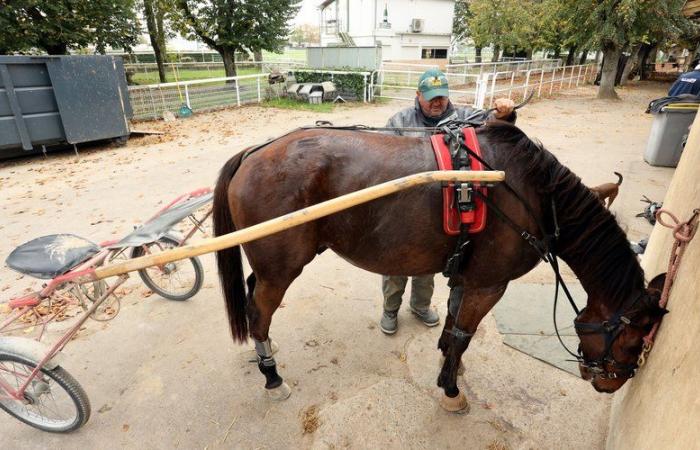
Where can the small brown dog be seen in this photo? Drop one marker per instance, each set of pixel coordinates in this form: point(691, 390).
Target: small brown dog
point(608, 191)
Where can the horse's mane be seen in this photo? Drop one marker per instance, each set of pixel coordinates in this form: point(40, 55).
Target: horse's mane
point(588, 231)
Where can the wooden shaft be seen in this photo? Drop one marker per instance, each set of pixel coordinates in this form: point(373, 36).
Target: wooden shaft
point(295, 218)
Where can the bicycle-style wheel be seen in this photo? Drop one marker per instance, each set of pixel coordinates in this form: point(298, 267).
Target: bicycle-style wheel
point(178, 280)
point(53, 401)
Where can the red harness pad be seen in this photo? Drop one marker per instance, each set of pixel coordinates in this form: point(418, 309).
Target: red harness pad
point(451, 217)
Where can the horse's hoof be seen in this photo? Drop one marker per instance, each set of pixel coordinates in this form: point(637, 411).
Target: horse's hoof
point(456, 404)
point(281, 392)
point(460, 369)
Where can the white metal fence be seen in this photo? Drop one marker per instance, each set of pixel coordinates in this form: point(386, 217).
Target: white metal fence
point(479, 90)
point(151, 101)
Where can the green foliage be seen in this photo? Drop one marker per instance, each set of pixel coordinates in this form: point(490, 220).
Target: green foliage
point(351, 82)
point(460, 23)
point(56, 26)
point(618, 23)
point(234, 25)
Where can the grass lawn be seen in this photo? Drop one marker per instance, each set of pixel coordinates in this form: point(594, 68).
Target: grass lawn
point(186, 74)
point(286, 103)
point(290, 54)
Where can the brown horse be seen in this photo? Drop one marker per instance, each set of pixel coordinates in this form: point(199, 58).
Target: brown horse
point(402, 235)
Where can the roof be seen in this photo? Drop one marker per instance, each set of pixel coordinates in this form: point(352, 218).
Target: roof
point(325, 3)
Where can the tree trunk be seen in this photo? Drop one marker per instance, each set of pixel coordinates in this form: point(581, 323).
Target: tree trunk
point(631, 64)
point(529, 53)
point(149, 11)
point(56, 49)
point(570, 57)
point(227, 54)
point(477, 58)
point(611, 56)
point(597, 56)
point(257, 56)
point(584, 57)
point(557, 53)
point(161, 38)
point(645, 52)
point(496, 53)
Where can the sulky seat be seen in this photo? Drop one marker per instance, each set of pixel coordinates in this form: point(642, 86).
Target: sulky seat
point(50, 256)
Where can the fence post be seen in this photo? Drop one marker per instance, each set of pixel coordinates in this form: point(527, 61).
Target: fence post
point(510, 89)
point(493, 89)
point(539, 88)
point(527, 84)
point(364, 89)
point(238, 93)
point(571, 77)
point(551, 84)
point(259, 96)
point(561, 80)
point(578, 77)
point(187, 96)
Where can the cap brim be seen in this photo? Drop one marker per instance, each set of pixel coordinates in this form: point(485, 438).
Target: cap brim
point(431, 94)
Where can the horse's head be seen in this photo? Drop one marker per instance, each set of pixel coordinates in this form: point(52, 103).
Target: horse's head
point(611, 342)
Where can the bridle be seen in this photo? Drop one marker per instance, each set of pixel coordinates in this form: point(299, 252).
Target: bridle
point(606, 366)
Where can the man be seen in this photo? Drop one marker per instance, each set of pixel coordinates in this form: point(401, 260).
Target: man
point(687, 83)
point(432, 107)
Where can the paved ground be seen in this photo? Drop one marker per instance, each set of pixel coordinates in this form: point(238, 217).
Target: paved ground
point(165, 375)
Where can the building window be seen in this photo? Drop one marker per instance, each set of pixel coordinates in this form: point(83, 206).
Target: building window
point(434, 53)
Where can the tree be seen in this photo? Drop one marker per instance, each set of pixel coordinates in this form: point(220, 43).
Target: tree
point(56, 26)
point(305, 34)
point(613, 25)
point(159, 15)
point(230, 26)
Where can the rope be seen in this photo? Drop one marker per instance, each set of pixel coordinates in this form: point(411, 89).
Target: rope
point(683, 233)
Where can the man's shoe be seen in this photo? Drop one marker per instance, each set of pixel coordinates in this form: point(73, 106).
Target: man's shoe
point(429, 317)
point(389, 323)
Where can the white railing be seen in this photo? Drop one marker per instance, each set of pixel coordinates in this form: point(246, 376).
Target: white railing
point(501, 66)
point(480, 90)
point(518, 84)
point(151, 101)
point(402, 85)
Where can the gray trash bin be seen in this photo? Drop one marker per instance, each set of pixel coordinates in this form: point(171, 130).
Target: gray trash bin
point(668, 133)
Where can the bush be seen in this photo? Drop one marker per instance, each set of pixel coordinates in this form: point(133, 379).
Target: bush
point(346, 84)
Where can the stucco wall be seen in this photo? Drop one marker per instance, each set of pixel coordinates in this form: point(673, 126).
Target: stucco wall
point(660, 407)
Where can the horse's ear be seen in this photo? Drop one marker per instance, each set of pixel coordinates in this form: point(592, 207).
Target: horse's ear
point(657, 283)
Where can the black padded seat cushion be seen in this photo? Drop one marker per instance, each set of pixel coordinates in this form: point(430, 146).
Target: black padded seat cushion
point(50, 256)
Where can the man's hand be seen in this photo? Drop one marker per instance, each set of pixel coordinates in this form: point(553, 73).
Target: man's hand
point(504, 108)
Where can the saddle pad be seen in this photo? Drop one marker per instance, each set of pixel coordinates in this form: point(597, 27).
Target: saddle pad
point(451, 217)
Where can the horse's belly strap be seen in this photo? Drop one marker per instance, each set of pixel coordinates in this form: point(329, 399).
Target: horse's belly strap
point(451, 216)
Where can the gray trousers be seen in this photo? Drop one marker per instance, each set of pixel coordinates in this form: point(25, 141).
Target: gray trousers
point(393, 288)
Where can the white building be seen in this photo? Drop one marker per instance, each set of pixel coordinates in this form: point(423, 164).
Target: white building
point(405, 29)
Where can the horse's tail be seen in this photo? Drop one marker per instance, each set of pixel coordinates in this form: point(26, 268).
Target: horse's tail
point(619, 178)
point(229, 259)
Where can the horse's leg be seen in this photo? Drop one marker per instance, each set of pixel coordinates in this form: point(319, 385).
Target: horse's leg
point(475, 304)
point(266, 299)
point(455, 297)
point(276, 263)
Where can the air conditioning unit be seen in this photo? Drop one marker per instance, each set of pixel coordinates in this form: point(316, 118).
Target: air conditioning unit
point(417, 25)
